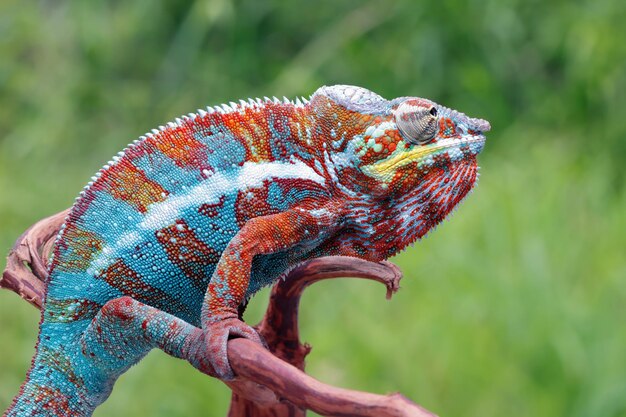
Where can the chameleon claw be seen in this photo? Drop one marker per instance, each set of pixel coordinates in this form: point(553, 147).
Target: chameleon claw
point(217, 334)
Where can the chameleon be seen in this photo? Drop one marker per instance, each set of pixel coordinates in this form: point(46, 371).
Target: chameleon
point(192, 219)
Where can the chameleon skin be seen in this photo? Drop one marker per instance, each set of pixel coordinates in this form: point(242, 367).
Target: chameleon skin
point(189, 221)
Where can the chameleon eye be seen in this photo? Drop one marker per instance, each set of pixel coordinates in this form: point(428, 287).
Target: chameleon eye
point(416, 122)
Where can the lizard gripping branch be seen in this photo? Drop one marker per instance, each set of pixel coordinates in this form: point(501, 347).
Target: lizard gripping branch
point(264, 381)
point(187, 223)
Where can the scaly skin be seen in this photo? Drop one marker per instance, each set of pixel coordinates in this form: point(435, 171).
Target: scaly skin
point(191, 220)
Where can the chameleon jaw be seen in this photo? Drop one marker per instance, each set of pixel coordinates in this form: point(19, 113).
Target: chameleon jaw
point(455, 148)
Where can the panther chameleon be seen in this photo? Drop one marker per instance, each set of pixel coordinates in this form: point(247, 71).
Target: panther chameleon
point(191, 220)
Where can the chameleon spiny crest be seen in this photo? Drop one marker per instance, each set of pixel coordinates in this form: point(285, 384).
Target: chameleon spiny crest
point(193, 218)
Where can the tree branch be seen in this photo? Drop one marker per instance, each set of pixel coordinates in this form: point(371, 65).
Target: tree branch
point(26, 269)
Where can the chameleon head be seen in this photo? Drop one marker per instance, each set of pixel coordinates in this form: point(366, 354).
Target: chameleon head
point(417, 158)
point(397, 143)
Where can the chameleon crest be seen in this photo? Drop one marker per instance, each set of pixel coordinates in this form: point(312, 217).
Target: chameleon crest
point(193, 218)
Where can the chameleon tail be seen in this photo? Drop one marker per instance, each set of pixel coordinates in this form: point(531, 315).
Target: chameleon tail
point(74, 371)
point(53, 385)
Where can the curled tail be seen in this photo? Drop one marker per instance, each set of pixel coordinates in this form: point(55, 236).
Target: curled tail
point(77, 363)
point(55, 385)
point(58, 381)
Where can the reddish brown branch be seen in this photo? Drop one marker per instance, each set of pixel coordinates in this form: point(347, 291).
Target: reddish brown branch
point(269, 383)
point(280, 323)
point(254, 363)
point(25, 272)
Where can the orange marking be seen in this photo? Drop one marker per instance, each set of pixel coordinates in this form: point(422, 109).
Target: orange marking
point(79, 247)
point(126, 182)
point(179, 144)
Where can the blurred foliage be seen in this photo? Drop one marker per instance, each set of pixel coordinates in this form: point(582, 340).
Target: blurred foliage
point(514, 308)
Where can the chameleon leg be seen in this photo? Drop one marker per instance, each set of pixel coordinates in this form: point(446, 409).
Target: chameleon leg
point(125, 330)
point(226, 291)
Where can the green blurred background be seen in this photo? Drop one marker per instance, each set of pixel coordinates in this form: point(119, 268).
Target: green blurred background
point(516, 307)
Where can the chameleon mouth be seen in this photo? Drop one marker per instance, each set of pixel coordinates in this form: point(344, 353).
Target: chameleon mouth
point(456, 149)
point(474, 144)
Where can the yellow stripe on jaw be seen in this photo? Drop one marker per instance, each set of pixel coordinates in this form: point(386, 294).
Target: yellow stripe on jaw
point(382, 170)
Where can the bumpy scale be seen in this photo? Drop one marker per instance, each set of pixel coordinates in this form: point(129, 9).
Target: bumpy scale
point(192, 219)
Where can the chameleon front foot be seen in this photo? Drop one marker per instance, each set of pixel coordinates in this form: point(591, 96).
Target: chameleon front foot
point(216, 336)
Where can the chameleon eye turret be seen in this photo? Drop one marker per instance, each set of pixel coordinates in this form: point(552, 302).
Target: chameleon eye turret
point(417, 121)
